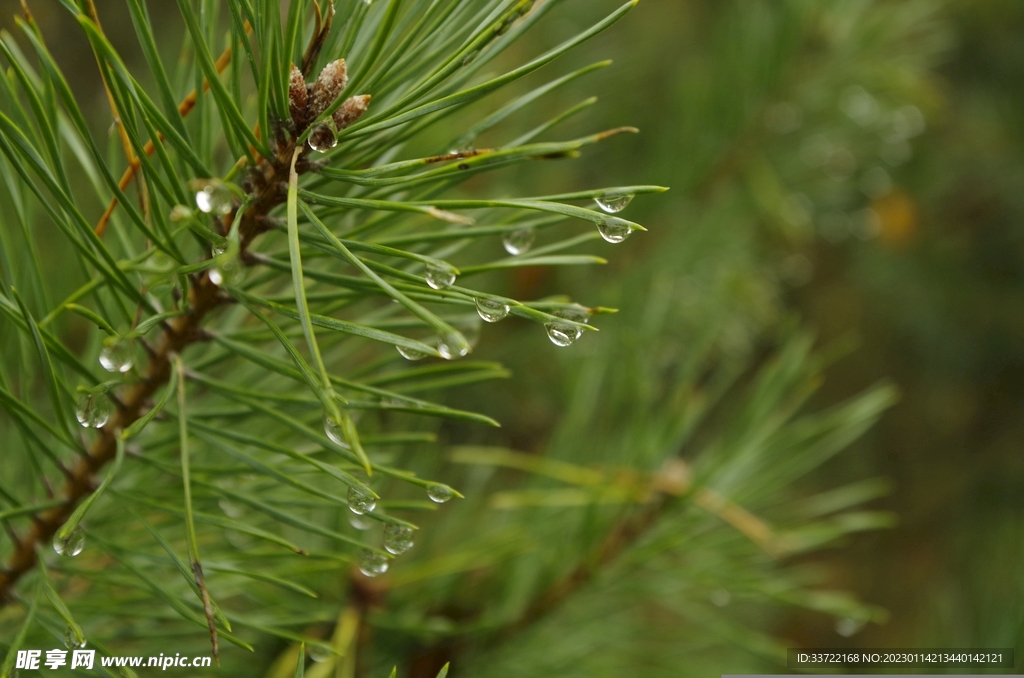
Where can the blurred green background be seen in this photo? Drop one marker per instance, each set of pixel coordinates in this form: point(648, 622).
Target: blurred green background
point(928, 282)
point(912, 247)
point(853, 165)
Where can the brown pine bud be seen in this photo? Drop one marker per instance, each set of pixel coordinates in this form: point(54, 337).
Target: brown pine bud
point(298, 97)
point(351, 111)
point(328, 86)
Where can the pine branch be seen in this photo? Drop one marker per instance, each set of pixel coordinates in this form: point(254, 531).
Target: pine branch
point(178, 334)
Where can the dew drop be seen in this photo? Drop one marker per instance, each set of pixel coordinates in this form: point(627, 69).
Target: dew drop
point(439, 493)
point(452, 346)
point(215, 198)
point(562, 334)
point(71, 640)
point(71, 545)
point(372, 564)
point(116, 355)
point(410, 353)
point(491, 310)
point(322, 138)
point(469, 58)
point(614, 230)
point(318, 653)
point(228, 270)
point(440, 275)
point(360, 502)
point(334, 431)
point(614, 203)
point(397, 539)
point(93, 410)
point(359, 522)
point(518, 241)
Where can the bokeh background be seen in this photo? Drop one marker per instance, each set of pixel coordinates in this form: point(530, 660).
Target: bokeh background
point(854, 166)
point(865, 160)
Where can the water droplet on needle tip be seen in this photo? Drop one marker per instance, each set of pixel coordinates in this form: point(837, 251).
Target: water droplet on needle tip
point(71, 545)
point(372, 564)
point(360, 502)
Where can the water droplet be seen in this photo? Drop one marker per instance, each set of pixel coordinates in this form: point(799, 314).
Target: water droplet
point(410, 353)
point(518, 241)
point(614, 203)
point(117, 355)
point(614, 230)
point(93, 410)
point(360, 502)
point(215, 198)
point(452, 345)
point(228, 270)
point(440, 275)
point(372, 564)
point(397, 538)
point(71, 640)
point(468, 59)
point(333, 430)
point(439, 493)
point(318, 653)
point(71, 545)
point(359, 522)
point(322, 138)
point(562, 334)
point(491, 310)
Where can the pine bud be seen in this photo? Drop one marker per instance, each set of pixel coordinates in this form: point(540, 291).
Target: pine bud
point(351, 111)
point(328, 86)
point(298, 97)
